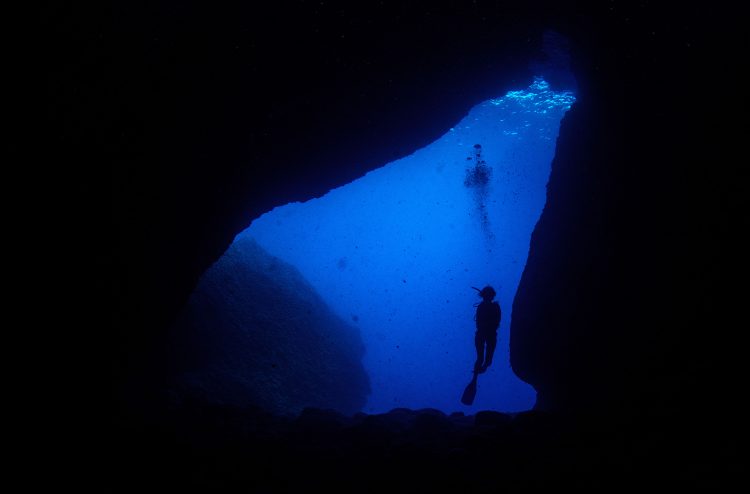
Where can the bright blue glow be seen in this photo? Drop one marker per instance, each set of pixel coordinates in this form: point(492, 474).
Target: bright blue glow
point(397, 251)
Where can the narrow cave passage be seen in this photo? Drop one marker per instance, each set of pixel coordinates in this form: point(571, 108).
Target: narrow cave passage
point(397, 252)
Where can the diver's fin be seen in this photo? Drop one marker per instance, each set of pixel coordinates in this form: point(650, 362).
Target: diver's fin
point(470, 392)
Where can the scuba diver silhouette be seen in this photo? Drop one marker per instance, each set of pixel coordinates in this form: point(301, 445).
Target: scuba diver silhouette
point(487, 320)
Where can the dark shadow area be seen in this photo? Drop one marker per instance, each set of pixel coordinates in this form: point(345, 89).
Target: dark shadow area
point(202, 447)
point(628, 319)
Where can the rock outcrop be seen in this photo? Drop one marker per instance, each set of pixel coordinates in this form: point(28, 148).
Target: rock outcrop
point(255, 333)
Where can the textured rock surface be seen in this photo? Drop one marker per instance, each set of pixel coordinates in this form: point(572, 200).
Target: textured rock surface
point(255, 333)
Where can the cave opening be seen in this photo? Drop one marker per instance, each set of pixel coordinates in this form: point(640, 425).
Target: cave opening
point(394, 257)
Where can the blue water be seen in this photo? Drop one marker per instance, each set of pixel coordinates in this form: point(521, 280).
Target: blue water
point(397, 251)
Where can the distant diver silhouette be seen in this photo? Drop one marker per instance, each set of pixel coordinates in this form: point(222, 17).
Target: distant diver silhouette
point(487, 319)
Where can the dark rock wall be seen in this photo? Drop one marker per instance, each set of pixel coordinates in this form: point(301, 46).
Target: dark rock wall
point(627, 301)
point(212, 115)
point(255, 333)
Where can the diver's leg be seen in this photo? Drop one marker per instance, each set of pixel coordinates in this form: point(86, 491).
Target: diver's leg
point(479, 344)
point(491, 344)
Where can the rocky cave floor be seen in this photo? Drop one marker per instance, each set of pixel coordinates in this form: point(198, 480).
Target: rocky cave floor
point(208, 448)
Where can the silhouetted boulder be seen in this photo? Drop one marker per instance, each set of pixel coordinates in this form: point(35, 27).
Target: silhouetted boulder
point(492, 418)
point(254, 332)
